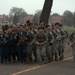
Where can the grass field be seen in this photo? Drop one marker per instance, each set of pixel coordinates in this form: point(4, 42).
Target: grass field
point(70, 29)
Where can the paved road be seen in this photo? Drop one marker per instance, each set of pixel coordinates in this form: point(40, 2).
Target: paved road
point(66, 67)
point(60, 68)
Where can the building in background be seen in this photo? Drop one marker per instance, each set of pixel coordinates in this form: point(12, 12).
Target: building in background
point(3, 19)
point(29, 17)
point(54, 19)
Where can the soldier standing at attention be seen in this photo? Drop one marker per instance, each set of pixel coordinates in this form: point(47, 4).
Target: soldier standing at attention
point(55, 44)
point(63, 39)
point(34, 48)
point(41, 41)
point(15, 41)
point(22, 44)
point(9, 38)
point(28, 55)
point(30, 47)
point(50, 42)
point(59, 40)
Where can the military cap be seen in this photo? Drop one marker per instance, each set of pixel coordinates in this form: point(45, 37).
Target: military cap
point(57, 23)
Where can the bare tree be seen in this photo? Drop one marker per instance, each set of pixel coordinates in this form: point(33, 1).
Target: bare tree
point(46, 11)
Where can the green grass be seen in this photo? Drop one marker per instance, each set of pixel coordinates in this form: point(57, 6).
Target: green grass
point(70, 29)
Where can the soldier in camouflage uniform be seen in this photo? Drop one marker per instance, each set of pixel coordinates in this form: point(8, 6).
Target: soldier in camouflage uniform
point(41, 41)
point(59, 40)
point(34, 48)
point(55, 44)
point(72, 38)
point(63, 39)
point(30, 44)
point(50, 41)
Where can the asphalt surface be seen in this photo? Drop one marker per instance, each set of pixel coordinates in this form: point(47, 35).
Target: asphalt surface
point(61, 68)
point(65, 67)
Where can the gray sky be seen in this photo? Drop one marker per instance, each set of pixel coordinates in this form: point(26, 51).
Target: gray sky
point(30, 6)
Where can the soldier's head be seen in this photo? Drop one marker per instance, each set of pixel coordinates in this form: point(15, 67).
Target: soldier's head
point(26, 28)
point(31, 26)
point(21, 28)
point(60, 26)
point(14, 27)
point(9, 29)
point(1, 32)
point(47, 27)
point(41, 23)
point(57, 25)
point(27, 22)
point(40, 30)
point(36, 26)
point(5, 27)
point(53, 26)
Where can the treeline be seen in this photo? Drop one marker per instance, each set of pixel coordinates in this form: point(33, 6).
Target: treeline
point(68, 18)
point(16, 15)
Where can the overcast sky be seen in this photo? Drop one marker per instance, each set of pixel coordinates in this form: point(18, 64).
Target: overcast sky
point(30, 6)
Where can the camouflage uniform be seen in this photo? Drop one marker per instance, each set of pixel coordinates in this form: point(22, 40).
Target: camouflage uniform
point(72, 38)
point(55, 44)
point(34, 48)
point(59, 42)
point(50, 45)
point(40, 41)
point(30, 45)
point(63, 39)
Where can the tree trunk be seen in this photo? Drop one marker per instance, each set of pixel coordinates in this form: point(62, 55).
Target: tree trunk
point(46, 11)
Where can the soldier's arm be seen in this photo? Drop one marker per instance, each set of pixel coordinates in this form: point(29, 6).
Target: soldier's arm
point(35, 40)
point(45, 40)
point(52, 38)
point(58, 37)
point(32, 35)
point(64, 33)
point(71, 37)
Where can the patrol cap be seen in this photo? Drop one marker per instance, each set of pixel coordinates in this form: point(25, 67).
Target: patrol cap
point(28, 21)
point(57, 23)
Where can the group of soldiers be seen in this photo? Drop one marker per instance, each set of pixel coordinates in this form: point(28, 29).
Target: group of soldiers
point(32, 42)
